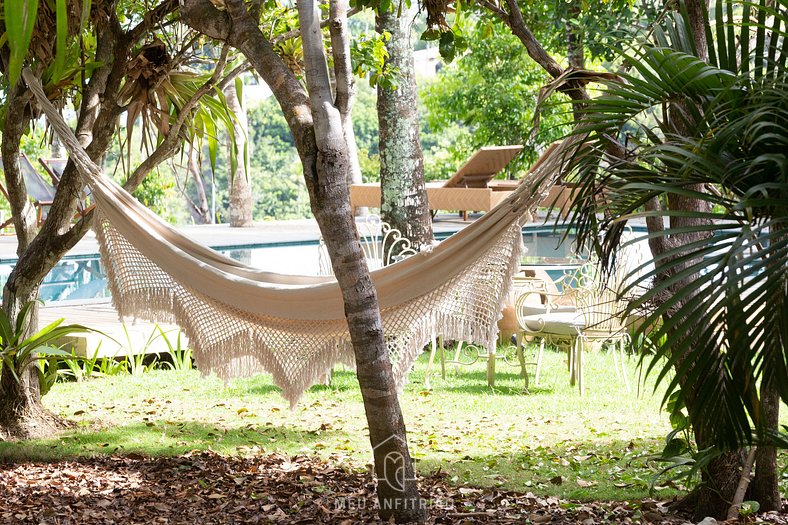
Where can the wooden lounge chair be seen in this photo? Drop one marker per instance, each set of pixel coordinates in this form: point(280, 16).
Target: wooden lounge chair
point(468, 189)
point(40, 191)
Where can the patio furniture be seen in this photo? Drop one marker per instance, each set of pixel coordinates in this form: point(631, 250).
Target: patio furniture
point(468, 189)
point(467, 354)
point(586, 312)
point(40, 191)
point(381, 243)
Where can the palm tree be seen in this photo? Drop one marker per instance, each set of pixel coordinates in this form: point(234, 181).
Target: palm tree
point(696, 147)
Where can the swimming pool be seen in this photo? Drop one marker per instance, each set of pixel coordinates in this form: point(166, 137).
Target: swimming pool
point(81, 278)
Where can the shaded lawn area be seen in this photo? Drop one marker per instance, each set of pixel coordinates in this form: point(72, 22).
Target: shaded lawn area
point(549, 445)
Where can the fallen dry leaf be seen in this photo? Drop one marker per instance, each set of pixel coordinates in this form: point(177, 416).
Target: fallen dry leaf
point(206, 488)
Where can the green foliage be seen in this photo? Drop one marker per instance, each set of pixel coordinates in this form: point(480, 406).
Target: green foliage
point(691, 124)
point(491, 92)
point(749, 508)
point(20, 19)
point(679, 456)
point(180, 358)
point(606, 26)
point(276, 171)
point(18, 350)
point(80, 368)
point(281, 196)
point(369, 54)
point(155, 192)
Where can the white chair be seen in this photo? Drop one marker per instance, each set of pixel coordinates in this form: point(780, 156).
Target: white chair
point(596, 316)
point(381, 243)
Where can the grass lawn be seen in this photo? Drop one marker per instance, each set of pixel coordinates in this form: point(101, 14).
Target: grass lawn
point(550, 441)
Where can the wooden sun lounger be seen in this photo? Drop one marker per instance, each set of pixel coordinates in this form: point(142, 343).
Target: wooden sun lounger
point(438, 196)
point(467, 190)
point(40, 191)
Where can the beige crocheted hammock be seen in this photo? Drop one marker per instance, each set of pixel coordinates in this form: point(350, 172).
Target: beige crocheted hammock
point(242, 321)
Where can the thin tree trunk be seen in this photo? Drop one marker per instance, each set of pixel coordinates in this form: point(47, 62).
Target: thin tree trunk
point(240, 186)
point(397, 492)
point(200, 211)
point(403, 196)
point(765, 487)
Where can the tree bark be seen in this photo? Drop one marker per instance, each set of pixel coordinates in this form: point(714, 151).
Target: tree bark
point(765, 487)
point(720, 478)
point(200, 211)
point(21, 413)
point(315, 118)
point(513, 18)
point(403, 196)
point(240, 185)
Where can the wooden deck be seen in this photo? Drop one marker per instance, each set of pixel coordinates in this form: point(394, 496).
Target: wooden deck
point(113, 340)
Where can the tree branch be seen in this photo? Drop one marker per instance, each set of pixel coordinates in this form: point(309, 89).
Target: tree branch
point(16, 121)
point(494, 9)
point(535, 50)
point(744, 482)
point(317, 79)
point(297, 32)
point(152, 18)
point(340, 46)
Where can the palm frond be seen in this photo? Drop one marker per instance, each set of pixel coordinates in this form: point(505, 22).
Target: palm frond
point(678, 128)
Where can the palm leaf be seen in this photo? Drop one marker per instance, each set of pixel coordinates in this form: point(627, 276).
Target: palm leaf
point(20, 19)
point(727, 129)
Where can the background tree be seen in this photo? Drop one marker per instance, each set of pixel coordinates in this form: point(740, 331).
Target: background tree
point(240, 184)
point(491, 91)
point(403, 196)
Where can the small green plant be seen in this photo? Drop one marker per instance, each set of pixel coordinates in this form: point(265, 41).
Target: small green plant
point(137, 366)
point(109, 366)
point(682, 461)
point(180, 358)
point(81, 368)
point(48, 373)
point(18, 353)
point(135, 362)
point(748, 508)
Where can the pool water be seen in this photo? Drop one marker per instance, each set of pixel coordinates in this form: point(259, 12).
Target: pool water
point(80, 279)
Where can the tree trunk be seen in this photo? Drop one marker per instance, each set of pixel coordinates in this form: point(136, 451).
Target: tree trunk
point(199, 211)
point(240, 186)
point(721, 477)
point(22, 416)
point(403, 196)
point(316, 122)
point(397, 492)
point(21, 413)
point(765, 487)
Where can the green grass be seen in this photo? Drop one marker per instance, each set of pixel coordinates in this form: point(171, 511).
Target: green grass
point(550, 441)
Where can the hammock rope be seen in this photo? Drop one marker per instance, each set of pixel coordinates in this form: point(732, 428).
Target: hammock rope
point(241, 320)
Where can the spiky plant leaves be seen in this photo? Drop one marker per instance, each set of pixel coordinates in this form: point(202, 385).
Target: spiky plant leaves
point(679, 127)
